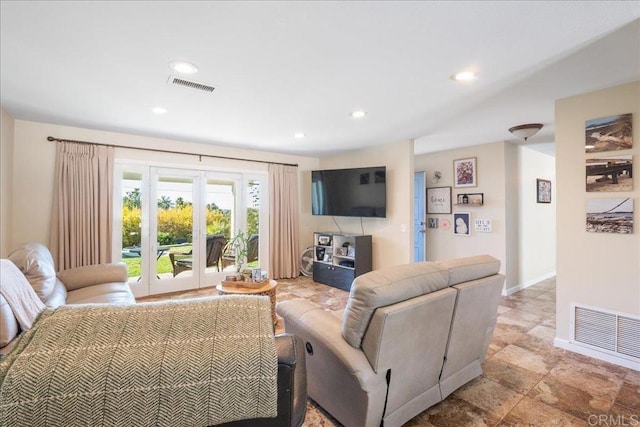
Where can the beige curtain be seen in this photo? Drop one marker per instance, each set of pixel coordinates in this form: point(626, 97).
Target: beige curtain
point(81, 224)
point(283, 222)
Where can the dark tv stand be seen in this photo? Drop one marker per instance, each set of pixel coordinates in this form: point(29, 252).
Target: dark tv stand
point(340, 258)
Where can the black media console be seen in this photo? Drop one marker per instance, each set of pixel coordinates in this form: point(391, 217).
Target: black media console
point(340, 258)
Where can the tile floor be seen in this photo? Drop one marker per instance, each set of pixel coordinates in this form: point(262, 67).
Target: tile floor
point(526, 380)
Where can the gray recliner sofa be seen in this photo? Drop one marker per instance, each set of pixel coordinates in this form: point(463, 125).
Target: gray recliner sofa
point(410, 335)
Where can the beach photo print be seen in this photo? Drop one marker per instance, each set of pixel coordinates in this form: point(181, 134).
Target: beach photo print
point(610, 133)
point(610, 174)
point(610, 215)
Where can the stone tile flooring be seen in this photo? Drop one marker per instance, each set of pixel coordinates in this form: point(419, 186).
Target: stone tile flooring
point(526, 381)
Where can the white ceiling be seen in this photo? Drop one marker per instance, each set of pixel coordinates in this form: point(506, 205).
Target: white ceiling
point(286, 67)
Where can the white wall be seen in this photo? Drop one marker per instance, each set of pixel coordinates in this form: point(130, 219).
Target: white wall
point(536, 240)
point(490, 162)
point(523, 231)
point(512, 218)
point(596, 269)
point(6, 178)
point(34, 161)
point(392, 236)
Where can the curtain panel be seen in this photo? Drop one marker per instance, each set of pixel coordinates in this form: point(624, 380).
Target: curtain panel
point(81, 224)
point(283, 221)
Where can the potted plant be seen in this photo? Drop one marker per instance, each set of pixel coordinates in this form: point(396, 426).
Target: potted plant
point(240, 248)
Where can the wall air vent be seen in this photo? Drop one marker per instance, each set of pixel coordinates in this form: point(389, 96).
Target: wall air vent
point(615, 333)
point(173, 80)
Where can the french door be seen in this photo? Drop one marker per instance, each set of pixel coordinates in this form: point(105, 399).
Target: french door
point(172, 225)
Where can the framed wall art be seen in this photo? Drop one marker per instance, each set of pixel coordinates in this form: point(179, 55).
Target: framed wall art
point(543, 191)
point(439, 200)
point(610, 215)
point(610, 174)
point(461, 224)
point(465, 173)
point(608, 133)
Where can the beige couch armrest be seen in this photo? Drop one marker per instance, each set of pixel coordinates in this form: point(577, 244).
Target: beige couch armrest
point(81, 277)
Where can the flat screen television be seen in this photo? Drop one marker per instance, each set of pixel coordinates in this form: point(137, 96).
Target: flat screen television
point(350, 192)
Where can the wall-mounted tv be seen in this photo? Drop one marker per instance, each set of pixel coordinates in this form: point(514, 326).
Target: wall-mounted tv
point(350, 192)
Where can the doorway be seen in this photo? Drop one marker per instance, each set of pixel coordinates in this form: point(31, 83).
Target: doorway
point(172, 225)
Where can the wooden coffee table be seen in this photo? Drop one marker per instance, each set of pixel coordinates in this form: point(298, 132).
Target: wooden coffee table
point(268, 287)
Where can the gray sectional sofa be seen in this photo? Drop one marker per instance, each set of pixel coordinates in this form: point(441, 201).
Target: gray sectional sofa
point(410, 335)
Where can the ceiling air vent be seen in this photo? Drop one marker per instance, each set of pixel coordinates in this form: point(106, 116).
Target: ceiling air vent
point(173, 80)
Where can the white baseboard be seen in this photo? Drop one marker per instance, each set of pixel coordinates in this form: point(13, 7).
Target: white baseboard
point(567, 345)
point(513, 290)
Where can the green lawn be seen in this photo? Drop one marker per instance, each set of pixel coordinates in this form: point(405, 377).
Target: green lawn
point(163, 266)
point(133, 264)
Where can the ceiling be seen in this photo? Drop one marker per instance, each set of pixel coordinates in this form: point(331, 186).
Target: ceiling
point(284, 67)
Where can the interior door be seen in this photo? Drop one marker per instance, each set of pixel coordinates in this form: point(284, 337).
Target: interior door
point(419, 217)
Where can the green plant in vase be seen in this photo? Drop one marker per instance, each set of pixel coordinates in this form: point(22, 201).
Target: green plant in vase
point(240, 248)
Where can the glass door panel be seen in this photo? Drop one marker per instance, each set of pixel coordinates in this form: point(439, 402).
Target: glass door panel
point(133, 239)
point(220, 202)
point(175, 242)
point(253, 194)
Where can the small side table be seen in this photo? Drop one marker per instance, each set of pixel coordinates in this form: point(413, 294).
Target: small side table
point(250, 288)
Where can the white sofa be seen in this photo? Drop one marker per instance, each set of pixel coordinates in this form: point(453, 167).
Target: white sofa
point(98, 284)
point(410, 335)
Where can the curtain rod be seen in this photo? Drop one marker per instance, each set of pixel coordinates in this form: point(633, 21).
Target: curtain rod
point(157, 150)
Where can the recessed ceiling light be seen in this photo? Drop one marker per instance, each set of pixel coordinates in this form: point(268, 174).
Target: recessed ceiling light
point(159, 110)
point(358, 114)
point(183, 67)
point(464, 76)
point(299, 135)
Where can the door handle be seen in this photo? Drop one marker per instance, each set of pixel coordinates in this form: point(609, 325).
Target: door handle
point(422, 231)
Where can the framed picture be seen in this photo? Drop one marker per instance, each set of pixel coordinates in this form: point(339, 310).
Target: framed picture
point(465, 173)
point(439, 200)
point(324, 240)
point(432, 223)
point(610, 174)
point(482, 225)
point(610, 215)
point(543, 192)
point(609, 133)
point(461, 224)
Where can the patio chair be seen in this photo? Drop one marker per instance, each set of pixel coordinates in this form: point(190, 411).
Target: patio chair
point(183, 262)
point(229, 257)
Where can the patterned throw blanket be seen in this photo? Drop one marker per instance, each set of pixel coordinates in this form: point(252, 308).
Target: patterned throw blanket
point(189, 363)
